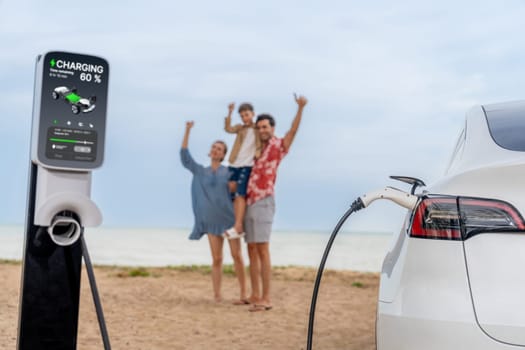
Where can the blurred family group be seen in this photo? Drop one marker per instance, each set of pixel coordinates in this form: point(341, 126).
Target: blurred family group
point(238, 201)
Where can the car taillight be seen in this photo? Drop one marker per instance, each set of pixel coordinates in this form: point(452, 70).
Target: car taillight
point(437, 218)
point(447, 217)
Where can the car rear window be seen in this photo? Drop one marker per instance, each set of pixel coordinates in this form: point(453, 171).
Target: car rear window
point(507, 125)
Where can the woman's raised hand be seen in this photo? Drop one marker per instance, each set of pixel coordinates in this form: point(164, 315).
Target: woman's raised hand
point(189, 125)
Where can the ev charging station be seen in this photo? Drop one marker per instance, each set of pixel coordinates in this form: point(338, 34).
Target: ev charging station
point(67, 143)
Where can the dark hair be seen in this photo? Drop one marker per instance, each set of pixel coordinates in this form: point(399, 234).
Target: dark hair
point(267, 117)
point(225, 147)
point(245, 107)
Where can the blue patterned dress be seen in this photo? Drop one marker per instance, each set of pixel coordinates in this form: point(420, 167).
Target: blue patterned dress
point(210, 197)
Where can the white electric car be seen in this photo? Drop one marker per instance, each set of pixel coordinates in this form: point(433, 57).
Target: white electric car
point(78, 103)
point(454, 277)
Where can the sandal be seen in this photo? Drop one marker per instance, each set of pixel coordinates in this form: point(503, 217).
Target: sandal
point(231, 233)
point(260, 307)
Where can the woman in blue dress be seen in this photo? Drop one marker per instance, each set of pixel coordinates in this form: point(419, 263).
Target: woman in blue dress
point(213, 211)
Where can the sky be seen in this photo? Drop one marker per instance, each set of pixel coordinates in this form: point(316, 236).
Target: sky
point(388, 86)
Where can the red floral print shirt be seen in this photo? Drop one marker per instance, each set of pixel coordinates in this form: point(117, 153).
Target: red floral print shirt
point(264, 172)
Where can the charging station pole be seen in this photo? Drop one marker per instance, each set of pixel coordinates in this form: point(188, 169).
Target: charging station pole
point(67, 142)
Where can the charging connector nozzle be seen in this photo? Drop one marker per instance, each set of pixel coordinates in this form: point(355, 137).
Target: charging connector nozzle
point(402, 198)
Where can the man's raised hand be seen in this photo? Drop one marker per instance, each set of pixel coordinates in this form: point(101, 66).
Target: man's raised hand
point(301, 100)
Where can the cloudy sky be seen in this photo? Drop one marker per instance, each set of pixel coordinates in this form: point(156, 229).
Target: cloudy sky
point(388, 85)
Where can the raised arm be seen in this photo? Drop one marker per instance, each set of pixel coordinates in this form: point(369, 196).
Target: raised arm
point(228, 121)
point(290, 135)
point(186, 138)
point(187, 160)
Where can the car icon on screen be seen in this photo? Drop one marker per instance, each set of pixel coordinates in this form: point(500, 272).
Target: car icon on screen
point(77, 102)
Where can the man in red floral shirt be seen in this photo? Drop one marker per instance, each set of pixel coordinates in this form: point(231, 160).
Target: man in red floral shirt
point(261, 204)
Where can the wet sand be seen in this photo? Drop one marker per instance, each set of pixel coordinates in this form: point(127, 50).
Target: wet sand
point(172, 308)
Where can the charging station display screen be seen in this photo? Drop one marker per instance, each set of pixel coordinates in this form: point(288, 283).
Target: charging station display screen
point(72, 115)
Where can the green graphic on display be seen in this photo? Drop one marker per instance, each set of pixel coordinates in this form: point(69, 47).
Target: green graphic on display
point(63, 140)
point(73, 98)
point(52, 63)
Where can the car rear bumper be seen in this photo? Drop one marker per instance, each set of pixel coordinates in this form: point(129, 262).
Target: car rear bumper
point(396, 331)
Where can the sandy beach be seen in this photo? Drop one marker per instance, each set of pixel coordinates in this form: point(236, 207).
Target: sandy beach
point(172, 308)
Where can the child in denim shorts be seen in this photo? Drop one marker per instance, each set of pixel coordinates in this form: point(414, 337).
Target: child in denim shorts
point(246, 148)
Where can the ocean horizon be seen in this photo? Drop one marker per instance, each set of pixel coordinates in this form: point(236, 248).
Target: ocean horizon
point(149, 247)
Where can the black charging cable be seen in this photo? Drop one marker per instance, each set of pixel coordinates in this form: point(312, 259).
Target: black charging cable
point(356, 205)
point(94, 292)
